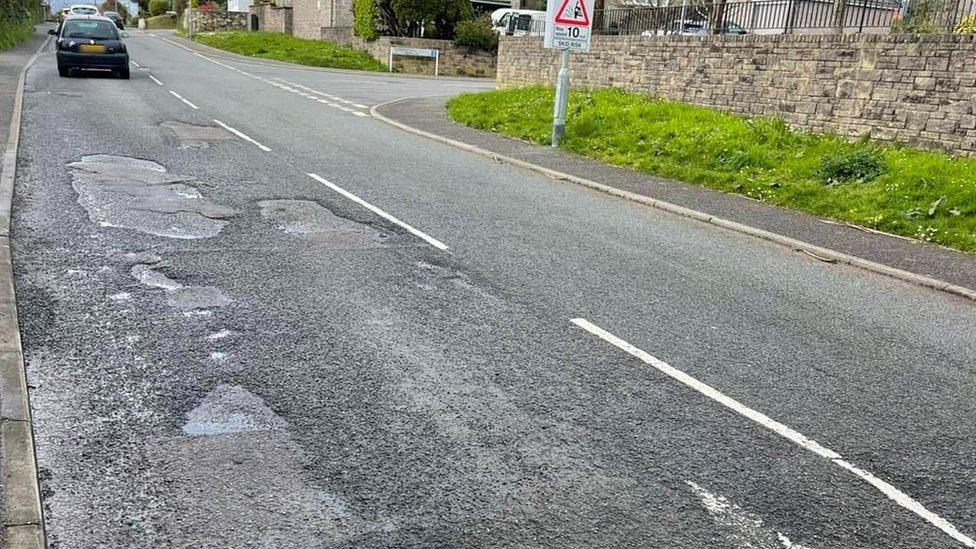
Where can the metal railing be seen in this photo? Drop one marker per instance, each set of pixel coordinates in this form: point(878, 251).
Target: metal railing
point(704, 17)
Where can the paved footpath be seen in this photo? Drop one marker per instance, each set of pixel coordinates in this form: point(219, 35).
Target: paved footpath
point(19, 498)
point(429, 114)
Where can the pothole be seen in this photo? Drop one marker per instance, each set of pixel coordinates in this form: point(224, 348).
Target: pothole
point(196, 297)
point(179, 296)
point(191, 136)
point(312, 221)
point(132, 193)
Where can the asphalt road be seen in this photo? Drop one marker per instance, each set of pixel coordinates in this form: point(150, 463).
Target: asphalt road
point(224, 351)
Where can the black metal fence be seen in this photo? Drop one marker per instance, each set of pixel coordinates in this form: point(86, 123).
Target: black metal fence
point(704, 17)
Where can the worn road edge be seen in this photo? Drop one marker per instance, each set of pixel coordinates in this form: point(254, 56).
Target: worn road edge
point(817, 252)
point(24, 519)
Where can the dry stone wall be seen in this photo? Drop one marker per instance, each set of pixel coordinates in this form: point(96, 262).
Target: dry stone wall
point(919, 90)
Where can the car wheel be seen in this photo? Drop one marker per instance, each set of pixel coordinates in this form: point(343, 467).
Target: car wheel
point(124, 73)
point(64, 71)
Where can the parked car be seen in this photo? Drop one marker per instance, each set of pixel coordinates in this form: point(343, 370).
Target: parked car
point(694, 27)
point(91, 42)
point(114, 16)
point(83, 9)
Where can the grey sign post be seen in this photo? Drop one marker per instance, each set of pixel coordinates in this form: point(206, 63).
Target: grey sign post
point(568, 26)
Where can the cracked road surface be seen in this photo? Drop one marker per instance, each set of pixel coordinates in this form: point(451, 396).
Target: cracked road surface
point(225, 351)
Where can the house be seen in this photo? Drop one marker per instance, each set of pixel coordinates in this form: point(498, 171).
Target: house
point(309, 17)
point(238, 5)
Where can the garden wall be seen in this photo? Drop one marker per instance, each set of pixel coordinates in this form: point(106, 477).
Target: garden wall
point(217, 21)
point(454, 60)
point(913, 89)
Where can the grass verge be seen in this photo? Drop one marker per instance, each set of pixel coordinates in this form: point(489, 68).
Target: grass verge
point(282, 47)
point(14, 32)
point(924, 195)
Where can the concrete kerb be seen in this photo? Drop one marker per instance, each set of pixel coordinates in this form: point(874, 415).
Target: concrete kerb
point(23, 520)
point(817, 252)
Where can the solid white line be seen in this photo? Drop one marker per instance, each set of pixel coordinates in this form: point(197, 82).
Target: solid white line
point(154, 79)
point(242, 135)
point(416, 232)
point(357, 113)
point(361, 106)
point(888, 490)
point(183, 99)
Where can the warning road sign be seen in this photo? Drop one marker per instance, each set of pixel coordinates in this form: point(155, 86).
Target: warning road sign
point(568, 25)
point(573, 13)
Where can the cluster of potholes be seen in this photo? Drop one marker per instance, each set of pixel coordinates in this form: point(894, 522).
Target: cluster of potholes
point(143, 196)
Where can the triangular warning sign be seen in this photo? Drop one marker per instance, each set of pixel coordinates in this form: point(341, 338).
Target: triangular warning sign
point(573, 13)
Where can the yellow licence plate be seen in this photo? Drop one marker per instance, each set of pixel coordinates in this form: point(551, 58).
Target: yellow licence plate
point(91, 48)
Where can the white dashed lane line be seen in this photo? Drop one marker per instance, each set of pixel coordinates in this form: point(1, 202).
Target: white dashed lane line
point(285, 85)
point(241, 134)
point(154, 79)
point(893, 493)
point(183, 99)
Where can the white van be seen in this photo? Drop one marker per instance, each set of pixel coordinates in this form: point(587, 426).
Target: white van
point(500, 19)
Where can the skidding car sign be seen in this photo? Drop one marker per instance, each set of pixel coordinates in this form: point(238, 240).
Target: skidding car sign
point(568, 25)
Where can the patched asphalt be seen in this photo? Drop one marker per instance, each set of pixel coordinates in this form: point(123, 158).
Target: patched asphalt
point(334, 381)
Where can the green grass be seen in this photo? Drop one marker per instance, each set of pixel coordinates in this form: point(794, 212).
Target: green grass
point(282, 47)
point(161, 22)
point(14, 32)
point(929, 196)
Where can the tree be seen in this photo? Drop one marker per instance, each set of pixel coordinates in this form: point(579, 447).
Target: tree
point(437, 18)
point(158, 7)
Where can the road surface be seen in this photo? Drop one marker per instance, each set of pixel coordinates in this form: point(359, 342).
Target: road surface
point(254, 316)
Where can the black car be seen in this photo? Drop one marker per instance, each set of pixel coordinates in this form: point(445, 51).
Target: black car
point(114, 16)
point(91, 42)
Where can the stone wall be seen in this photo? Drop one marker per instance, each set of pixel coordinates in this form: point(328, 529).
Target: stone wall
point(273, 18)
point(454, 61)
point(308, 18)
point(311, 16)
point(217, 21)
point(919, 90)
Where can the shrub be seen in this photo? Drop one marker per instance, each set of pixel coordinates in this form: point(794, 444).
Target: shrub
point(967, 25)
point(437, 17)
point(364, 19)
point(209, 7)
point(477, 34)
point(158, 7)
point(859, 164)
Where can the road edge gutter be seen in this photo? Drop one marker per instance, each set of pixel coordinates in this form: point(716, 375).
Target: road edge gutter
point(23, 514)
point(817, 252)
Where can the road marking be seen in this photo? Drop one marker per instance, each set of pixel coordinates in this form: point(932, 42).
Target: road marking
point(154, 79)
point(896, 495)
point(134, 63)
point(183, 99)
point(242, 135)
point(414, 231)
point(285, 87)
point(745, 529)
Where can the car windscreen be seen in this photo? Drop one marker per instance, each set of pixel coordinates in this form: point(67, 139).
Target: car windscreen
point(95, 30)
point(84, 11)
point(110, 14)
